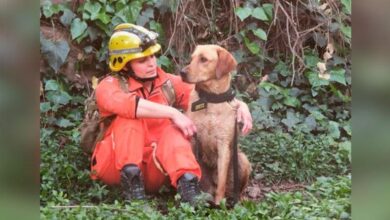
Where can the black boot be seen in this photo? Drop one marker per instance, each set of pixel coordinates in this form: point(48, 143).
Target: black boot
point(132, 183)
point(188, 188)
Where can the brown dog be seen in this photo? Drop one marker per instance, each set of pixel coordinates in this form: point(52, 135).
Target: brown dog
point(214, 115)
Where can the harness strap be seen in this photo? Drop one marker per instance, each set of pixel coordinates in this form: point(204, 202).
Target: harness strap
point(235, 165)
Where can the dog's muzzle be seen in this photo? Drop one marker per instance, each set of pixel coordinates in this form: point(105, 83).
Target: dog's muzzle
point(183, 75)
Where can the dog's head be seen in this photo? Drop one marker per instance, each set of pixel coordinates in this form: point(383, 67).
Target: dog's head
point(208, 62)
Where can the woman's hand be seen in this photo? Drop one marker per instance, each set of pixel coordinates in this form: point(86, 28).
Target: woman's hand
point(184, 123)
point(148, 109)
point(244, 116)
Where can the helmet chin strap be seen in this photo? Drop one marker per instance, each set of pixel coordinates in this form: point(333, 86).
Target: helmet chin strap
point(131, 73)
point(139, 79)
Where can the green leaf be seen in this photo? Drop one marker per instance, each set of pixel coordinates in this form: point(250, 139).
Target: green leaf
point(253, 47)
point(311, 60)
point(49, 9)
point(67, 17)
point(291, 101)
point(268, 8)
point(338, 75)
point(282, 68)
point(163, 61)
point(243, 13)
point(346, 30)
point(45, 133)
point(315, 80)
point(276, 106)
point(333, 129)
point(145, 17)
point(46, 8)
point(93, 8)
point(134, 10)
point(86, 15)
point(58, 97)
point(317, 115)
point(64, 123)
point(310, 122)
point(347, 6)
point(259, 13)
point(274, 166)
point(291, 120)
point(44, 107)
point(75, 114)
point(157, 27)
point(54, 52)
point(109, 8)
point(119, 17)
point(119, 5)
point(267, 86)
point(51, 85)
point(347, 147)
point(78, 28)
point(347, 128)
point(80, 38)
point(260, 33)
point(103, 17)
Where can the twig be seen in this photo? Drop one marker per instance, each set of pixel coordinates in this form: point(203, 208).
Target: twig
point(190, 31)
point(235, 21)
point(205, 10)
point(304, 32)
point(226, 39)
point(90, 207)
point(292, 50)
point(73, 206)
point(174, 31)
point(297, 39)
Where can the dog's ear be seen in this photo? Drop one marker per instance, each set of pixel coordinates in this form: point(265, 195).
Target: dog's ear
point(226, 62)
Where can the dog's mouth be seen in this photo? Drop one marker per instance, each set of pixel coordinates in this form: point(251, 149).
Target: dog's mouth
point(184, 77)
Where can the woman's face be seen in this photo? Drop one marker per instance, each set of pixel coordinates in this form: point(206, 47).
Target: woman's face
point(144, 67)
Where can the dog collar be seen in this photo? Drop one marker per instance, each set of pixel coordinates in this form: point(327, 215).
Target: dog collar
point(206, 97)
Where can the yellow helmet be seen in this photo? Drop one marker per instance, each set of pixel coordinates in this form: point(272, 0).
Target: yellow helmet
point(130, 42)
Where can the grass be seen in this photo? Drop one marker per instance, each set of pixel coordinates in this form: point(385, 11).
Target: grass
point(326, 198)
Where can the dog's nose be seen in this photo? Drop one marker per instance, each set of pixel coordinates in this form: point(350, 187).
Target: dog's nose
point(183, 74)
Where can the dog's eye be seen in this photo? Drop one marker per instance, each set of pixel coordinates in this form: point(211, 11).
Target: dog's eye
point(203, 59)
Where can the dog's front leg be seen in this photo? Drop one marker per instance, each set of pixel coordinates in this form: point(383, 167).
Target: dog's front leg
point(223, 166)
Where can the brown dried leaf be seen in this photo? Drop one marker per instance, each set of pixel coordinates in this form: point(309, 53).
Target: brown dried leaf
point(328, 11)
point(327, 56)
point(41, 89)
point(254, 192)
point(323, 6)
point(94, 82)
point(330, 48)
point(80, 56)
point(321, 67)
point(324, 76)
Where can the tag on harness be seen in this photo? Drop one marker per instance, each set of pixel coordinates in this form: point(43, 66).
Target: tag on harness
point(199, 105)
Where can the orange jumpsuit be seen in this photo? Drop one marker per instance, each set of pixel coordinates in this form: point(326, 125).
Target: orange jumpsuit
point(156, 146)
